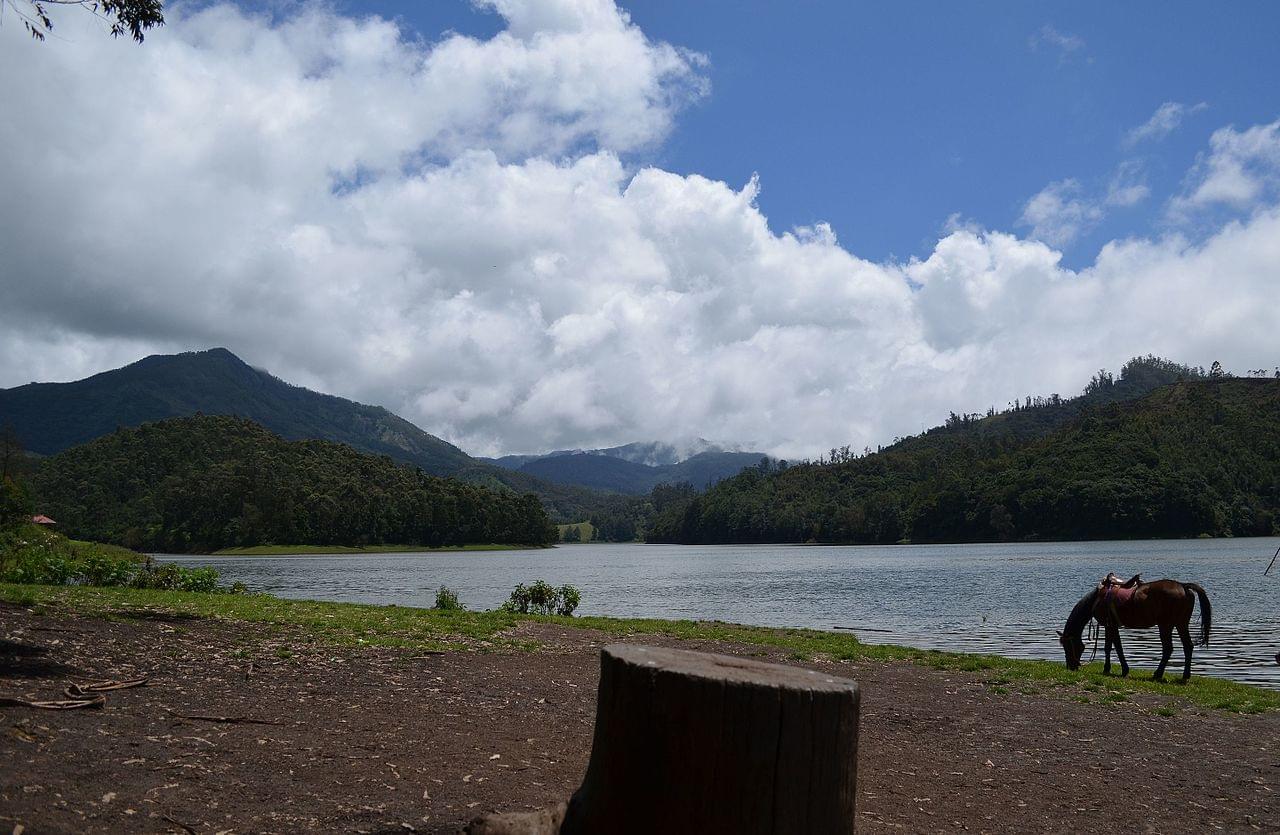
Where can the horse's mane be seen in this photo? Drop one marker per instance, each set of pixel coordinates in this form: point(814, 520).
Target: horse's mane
point(1080, 614)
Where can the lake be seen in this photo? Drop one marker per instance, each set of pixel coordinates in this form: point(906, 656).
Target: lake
point(999, 598)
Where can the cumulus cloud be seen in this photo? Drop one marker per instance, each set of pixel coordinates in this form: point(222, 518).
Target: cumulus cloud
point(1167, 118)
point(459, 231)
point(1240, 170)
point(1059, 213)
point(1063, 210)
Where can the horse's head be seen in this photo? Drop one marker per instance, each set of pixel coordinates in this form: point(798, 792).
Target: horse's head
point(1073, 646)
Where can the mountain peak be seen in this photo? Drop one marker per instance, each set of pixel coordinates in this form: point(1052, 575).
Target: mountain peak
point(50, 418)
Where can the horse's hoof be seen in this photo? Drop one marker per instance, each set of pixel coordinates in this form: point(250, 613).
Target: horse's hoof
point(1124, 674)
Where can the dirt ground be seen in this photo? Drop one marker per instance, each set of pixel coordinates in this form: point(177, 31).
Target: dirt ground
point(373, 740)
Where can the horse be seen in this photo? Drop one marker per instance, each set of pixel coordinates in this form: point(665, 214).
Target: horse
point(1166, 604)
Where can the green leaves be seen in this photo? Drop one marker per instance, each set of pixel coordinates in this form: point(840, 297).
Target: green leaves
point(134, 17)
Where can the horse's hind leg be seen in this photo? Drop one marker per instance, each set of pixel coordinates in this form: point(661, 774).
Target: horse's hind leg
point(1166, 649)
point(1106, 652)
point(1185, 634)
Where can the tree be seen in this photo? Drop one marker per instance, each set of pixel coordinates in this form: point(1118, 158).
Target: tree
point(15, 502)
point(10, 451)
point(133, 16)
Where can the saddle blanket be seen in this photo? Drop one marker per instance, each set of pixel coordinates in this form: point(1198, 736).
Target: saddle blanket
point(1117, 595)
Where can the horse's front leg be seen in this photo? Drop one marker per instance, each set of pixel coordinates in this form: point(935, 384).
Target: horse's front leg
point(1124, 665)
point(1106, 652)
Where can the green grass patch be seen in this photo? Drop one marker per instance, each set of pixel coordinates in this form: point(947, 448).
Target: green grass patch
point(399, 626)
point(286, 550)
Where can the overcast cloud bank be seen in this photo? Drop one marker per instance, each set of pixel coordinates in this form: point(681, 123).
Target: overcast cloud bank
point(458, 231)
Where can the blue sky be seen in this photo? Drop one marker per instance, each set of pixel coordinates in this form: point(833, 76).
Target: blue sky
point(886, 119)
point(532, 224)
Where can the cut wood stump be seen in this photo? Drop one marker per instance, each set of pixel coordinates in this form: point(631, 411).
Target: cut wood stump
point(694, 742)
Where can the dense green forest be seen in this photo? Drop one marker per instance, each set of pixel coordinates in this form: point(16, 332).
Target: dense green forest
point(205, 482)
point(1193, 454)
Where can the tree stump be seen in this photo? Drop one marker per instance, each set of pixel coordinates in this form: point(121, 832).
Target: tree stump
point(694, 742)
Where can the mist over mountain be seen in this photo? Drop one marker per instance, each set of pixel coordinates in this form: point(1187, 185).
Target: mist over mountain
point(636, 468)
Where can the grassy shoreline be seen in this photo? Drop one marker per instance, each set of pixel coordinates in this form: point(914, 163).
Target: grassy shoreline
point(301, 550)
point(353, 624)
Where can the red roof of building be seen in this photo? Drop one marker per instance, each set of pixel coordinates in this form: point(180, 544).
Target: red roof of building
point(43, 520)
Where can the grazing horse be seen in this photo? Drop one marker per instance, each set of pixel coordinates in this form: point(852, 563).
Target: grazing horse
point(1166, 604)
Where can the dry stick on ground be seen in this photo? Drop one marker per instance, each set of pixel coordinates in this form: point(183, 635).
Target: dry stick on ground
point(177, 822)
point(229, 720)
point(86, 691)
point(67, 704)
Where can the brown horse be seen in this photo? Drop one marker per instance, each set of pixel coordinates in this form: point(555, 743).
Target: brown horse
point(1166, 604)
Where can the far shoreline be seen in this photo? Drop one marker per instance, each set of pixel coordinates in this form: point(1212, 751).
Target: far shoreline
point(355, 550)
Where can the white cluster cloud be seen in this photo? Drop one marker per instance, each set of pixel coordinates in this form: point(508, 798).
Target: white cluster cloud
point(454, 230)
point(1063, 210)
point(1167, 118)
point(1058, 213)
point(1241, 170)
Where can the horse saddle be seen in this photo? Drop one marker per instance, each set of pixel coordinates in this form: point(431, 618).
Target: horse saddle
point(1118, 595)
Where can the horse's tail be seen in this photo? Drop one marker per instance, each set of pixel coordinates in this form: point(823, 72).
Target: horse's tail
point(1206, 611)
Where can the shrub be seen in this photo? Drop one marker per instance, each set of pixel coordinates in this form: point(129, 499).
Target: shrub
point(569, 597)
point(36, 568)
point(447, 600)
point(198, 579)
point(542, 598)
point(101, 570)
point(519, 601)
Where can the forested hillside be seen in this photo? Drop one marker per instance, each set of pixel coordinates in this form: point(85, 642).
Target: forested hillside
point(208, 482)
point(1198, 456)
point(51, 417)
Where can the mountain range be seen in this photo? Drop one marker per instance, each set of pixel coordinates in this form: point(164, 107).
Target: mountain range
point(51, 417)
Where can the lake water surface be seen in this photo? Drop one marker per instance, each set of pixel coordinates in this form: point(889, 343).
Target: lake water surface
point(1000, 598)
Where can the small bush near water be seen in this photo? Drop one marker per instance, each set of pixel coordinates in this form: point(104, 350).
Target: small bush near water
point(543, 599)
point(447, 600)
point(33, 556)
